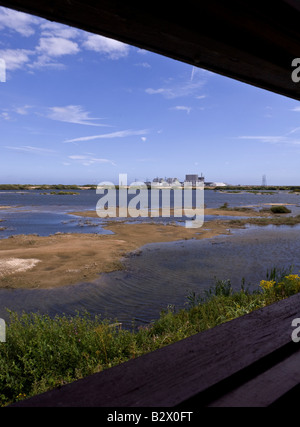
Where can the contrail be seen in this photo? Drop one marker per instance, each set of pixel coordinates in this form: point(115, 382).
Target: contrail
point(193, 72)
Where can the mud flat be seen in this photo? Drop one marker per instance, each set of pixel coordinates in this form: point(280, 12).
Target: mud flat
point(30, 261)
point(208, 211)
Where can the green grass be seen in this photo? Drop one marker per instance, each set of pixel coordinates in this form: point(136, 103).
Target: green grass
point(41, 353)
point(64, 193)
point(289, 220)
point(13, 187)
point(226, 207)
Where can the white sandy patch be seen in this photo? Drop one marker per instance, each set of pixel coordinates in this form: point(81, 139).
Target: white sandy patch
point(279, 204)
point(16, 265)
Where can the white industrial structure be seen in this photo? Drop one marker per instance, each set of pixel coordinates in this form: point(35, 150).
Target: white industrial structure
point(193, 179)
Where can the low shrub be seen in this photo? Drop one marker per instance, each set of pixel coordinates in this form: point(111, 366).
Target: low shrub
point(279, 209)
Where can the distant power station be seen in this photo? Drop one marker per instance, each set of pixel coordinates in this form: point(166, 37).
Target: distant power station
point(192, 179)
point(195, 179)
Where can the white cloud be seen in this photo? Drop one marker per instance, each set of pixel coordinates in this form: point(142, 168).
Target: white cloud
point(57, 46)
point(271, 139)
point(143, 65)
point(30, 149)
point(15, 58)
point(55, 41)
point(51, 48)
point(45, 61)
point(23, 111)
point(268, 112)
point(5, 116)
point(112, 48)
point(143, 138)
point(182, 108)
point(142, 51)
point(48, 48)
point(179, 88)
point(119, 134)
point(161, 90)
point(50, 29)
point(76, 157)
point(18, 21)
point(72, 114)
point(265, 138)
point(90, 160)
point(294, 130)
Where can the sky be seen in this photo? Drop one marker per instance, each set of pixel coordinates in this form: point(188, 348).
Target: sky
point(79, 108)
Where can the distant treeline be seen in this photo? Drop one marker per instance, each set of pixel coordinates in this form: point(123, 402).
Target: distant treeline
point(292, 188)
point(45, 187)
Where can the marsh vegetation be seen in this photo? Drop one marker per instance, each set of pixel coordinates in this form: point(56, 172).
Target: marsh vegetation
point(42, 353)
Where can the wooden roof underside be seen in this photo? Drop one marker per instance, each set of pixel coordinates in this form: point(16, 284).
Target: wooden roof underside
point(251, 41)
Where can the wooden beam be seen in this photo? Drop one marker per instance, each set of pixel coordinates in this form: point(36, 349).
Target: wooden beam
point(254, 42)
point(266, 389)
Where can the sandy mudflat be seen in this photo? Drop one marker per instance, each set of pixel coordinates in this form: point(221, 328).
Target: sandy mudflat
point(63, 259)
point(207, 211)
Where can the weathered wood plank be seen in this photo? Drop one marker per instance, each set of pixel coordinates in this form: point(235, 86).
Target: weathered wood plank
point(187, 371)
point(265, 389)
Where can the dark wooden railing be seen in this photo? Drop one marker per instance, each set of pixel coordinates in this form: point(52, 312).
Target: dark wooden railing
point(249, 361)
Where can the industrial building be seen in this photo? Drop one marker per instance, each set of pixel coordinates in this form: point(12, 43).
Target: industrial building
point(194, 179)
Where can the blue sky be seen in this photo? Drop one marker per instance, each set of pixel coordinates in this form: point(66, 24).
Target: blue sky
point(78, 108)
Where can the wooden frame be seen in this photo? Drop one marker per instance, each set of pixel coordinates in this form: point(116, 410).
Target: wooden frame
point(252, 360)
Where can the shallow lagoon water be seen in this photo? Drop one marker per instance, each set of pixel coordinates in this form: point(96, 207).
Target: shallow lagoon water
point(33, 212)
point(164, 274)
point(159, 274)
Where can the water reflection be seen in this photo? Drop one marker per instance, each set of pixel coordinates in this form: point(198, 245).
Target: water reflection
point(163, 274)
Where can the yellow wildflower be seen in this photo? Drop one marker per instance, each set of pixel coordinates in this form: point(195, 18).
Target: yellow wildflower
point(267, 284)
point(292, 277)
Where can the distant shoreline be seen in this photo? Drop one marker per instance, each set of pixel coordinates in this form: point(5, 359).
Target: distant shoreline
point(24, 187)
point(235, 188)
